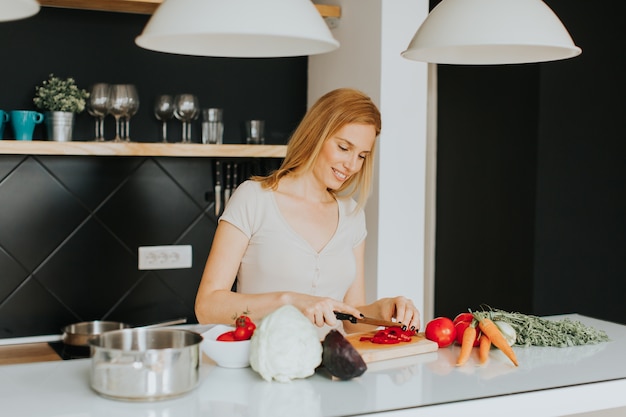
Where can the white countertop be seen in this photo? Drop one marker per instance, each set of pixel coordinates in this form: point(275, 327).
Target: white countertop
point(548, 382)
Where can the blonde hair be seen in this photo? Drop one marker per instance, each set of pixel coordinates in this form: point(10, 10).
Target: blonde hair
point(330, 113)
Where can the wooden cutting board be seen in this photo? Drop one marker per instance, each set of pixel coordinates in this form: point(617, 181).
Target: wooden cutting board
point(373, 352)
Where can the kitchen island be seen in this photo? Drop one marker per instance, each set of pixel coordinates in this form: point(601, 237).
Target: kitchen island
point(548, 382)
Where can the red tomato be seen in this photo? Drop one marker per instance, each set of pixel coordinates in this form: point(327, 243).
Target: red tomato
point(463, 317)
point(227, 337)
point(244, 328)
point(460, 329)
point(441, 330)
point(242, 333)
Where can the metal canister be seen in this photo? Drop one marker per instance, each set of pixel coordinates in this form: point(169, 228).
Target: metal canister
point(212, 126)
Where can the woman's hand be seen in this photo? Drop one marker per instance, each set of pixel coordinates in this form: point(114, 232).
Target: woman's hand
point(321, 310)
point(402, 309)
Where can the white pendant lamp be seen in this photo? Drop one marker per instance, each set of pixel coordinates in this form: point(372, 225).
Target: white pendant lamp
point(238, 28)
point(490, 32)
point(17, 9)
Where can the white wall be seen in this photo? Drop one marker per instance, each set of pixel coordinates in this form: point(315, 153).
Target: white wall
point(372, 34)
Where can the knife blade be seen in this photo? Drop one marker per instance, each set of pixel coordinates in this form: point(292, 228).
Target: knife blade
point(218, 189)
point(366, 320)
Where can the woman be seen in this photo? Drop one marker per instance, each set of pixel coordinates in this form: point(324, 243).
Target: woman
point(297, 236)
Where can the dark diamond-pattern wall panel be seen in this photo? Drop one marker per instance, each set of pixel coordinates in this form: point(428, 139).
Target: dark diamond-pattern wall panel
point(90, 272)
point(11, 274)
point(91, 179)
point(8, 163)
point(32, 310)
point(151, 301)
point(168, 213)
point(37, 213)
point(198, 184)
point(70, 231)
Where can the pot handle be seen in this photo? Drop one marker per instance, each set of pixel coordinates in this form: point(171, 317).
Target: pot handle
point(166, 323)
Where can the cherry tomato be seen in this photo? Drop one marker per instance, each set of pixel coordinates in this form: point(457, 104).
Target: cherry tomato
point(242, 333)
point(463, 317)
point(460, 329)
point(227, 337)
point(242, 321)
point(244, 327)
point(441, 330)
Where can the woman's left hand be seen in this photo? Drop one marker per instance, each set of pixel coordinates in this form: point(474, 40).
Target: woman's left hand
point(402, 309)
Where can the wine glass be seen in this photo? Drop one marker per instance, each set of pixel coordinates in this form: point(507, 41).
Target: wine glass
point(118, 107)
point(186, 109)
point(97, 107)
point(133, 106)
point(164, 110)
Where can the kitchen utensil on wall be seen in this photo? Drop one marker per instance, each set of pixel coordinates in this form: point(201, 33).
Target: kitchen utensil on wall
point(227, 183)
point(145, 364)
point(79, 334)
point(212, 126)
point(97, 107)
point(186, 109)
point(235, 176)
point(218, 188)
point(164, 111)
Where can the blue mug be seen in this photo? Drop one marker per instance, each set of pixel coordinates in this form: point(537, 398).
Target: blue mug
point(24, 122)
point(4, 118)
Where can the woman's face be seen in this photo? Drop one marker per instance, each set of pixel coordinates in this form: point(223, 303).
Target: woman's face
point(343, 154)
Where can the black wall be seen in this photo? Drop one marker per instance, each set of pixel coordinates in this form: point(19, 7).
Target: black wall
point(70, 226)
point(531, 181)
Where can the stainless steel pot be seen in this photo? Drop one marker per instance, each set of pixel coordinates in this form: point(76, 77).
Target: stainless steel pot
point(79, 334)
point(145, 364)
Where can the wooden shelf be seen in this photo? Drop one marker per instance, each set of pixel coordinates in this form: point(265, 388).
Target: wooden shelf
point(146, 6)
point(140, 149)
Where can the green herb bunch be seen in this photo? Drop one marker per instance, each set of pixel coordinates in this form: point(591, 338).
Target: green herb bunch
point(538, 331)
point(56, 94)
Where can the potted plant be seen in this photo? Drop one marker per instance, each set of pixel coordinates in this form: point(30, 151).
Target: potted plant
point(61, 99)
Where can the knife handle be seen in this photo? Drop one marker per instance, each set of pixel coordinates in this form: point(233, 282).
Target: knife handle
point(345, 316)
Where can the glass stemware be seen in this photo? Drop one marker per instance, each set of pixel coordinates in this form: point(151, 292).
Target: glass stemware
point(118, 107)
point(186, 109)
point(97, 107)
point(164, 111)
point(131, 110)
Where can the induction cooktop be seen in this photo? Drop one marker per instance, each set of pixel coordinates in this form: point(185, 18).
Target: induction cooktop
point(67, 352)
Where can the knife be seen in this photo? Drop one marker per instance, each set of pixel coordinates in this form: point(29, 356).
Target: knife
point(366, 320)
point(235, 179)
point(218, 189)
point(227, 184)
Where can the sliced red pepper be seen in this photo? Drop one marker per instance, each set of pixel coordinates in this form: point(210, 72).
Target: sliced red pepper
point(390, 336)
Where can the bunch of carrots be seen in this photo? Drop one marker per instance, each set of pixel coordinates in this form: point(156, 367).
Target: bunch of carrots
point(490, 334)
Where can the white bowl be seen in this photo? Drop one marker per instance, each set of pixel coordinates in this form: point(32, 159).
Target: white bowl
point(226, 354)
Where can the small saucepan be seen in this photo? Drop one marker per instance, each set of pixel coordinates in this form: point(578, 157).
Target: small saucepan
point(80, 334)
point(145, 364)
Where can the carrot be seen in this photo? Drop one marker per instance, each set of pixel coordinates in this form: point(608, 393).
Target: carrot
point(483, 348)
point(467, 343)
point(489, 328)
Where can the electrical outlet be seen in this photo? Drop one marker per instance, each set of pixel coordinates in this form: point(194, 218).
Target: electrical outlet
point(165, 257)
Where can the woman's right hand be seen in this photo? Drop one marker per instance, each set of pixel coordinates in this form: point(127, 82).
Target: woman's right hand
point(321, 310)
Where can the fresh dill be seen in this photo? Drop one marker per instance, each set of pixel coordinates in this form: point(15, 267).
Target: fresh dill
point(538, 331)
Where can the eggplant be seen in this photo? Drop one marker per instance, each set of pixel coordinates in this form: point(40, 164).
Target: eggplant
point(340, 358)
